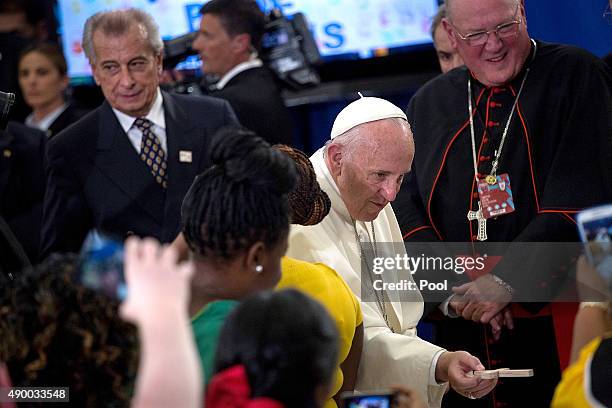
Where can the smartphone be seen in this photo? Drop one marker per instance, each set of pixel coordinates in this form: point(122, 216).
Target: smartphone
point(374, 400)
point(101, 265)
point(595, 226)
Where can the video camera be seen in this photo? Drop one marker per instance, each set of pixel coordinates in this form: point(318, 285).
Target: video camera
point(177, 49)
point(288, 49)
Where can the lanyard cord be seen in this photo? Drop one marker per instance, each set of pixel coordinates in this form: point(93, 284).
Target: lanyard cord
point(498, 152)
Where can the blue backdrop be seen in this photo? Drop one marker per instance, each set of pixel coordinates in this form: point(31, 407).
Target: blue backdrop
point(576, 22)
point(580, 23)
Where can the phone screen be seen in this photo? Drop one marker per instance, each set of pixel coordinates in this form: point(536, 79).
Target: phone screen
point(595, 225)
point(101, 265)
point(368, 401)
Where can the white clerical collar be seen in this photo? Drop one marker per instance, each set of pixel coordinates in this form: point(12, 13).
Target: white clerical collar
point(47, 121)
point(254, 62)
point(155, 115)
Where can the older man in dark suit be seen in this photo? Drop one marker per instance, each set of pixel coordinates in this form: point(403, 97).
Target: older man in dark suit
point(125, 167)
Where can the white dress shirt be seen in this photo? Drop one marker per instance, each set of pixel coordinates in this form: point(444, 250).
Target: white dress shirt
point(155, 115)
point(254, 62)
point(47, 121)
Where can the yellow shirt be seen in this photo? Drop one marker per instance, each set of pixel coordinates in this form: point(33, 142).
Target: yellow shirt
point(570, 392)
point(325, 285)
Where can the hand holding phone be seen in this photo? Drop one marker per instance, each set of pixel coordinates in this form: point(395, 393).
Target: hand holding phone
point(397, 397)
point(158, 285)
point(101, 265)
point(377, 399)
point(153, 269)
point(595, 227)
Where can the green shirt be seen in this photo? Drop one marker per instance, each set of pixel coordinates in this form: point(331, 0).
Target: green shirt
point(207, 324)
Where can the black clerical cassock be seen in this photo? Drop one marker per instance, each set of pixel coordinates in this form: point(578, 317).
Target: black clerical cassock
point(556, 154)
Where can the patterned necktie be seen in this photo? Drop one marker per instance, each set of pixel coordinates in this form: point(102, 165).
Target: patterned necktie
point(151, 151)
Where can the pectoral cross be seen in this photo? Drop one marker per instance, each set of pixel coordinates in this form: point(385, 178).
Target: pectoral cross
point(482, 222)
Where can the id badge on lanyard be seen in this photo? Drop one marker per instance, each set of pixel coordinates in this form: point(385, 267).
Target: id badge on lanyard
point(496, 196)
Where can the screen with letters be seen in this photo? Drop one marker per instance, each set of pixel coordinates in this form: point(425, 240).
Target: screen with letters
point(343, 29)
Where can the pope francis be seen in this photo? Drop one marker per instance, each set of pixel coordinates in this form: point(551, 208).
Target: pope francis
point(361, 169)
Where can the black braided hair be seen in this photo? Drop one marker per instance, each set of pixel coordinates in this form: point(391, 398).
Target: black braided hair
point(309, 204)
point(241, 199)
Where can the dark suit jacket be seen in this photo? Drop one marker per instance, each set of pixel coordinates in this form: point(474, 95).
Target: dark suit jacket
point(70, 115)
point(22, 185)
point(97, 180)
point(255, 97)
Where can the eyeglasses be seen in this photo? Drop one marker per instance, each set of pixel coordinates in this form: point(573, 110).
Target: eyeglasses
point(504, 30)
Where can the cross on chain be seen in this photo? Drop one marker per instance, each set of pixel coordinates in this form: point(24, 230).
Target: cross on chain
point(482, 222)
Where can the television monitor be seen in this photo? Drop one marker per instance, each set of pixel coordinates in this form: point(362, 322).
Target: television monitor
point(343, 29)
point(360, 29)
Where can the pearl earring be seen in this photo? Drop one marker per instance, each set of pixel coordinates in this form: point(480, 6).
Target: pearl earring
point(259, 269)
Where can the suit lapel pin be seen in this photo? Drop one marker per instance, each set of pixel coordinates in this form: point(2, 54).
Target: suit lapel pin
point(185, 156)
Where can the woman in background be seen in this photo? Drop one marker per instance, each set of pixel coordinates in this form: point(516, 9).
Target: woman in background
point(43, 80)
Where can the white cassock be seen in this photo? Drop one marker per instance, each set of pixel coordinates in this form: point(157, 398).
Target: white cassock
point(388, 358)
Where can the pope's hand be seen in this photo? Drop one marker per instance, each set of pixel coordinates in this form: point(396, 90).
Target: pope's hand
point(456, 368)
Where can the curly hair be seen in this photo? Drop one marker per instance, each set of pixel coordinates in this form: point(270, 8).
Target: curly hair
point(57, 333)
